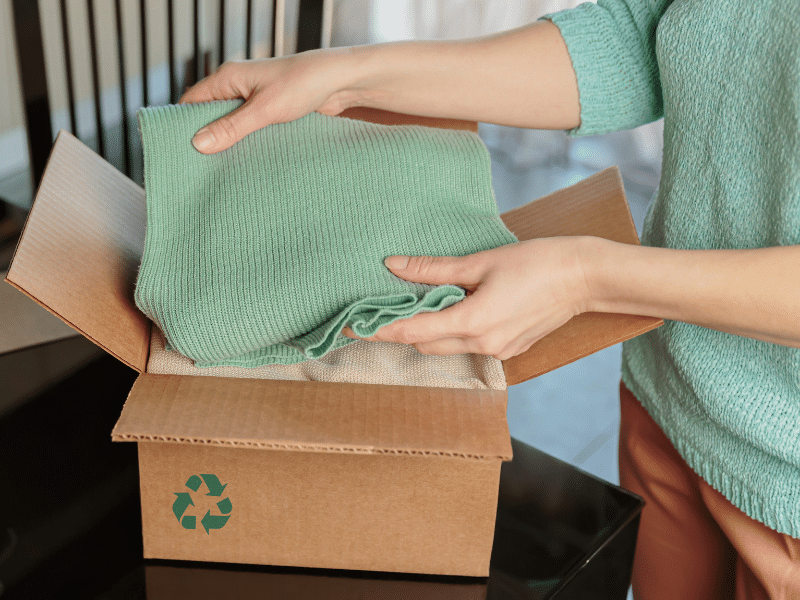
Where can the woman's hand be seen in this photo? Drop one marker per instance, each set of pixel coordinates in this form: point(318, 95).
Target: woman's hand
point(275, 90)
point(519, 293)
point(523, 77)
point(516, 294)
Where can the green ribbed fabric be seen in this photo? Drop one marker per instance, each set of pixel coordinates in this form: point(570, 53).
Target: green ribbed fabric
point(264, 252)
point(728, 72)
point(612, 47)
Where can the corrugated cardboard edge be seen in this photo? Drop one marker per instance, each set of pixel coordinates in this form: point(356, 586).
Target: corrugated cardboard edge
point(295, 447)
point(13, 256)
point(24, 325)
point(296, 416)
point(596, 207)
point(75, 261)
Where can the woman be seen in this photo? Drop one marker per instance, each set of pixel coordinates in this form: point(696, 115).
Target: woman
point(710, 433)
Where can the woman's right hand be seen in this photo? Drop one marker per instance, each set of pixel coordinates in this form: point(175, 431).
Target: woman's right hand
point(275, 90)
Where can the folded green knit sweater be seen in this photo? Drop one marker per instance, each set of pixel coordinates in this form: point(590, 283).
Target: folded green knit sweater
point(264, 252)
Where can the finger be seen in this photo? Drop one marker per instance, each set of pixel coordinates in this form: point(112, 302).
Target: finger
point(518, 346)
point(525, 347)
point(445, 347)
point(224, 84)
point(226, 131)
point(203, 91)
point(519, 342)
point(427, 327)
point(500, 345)
point(466, 271)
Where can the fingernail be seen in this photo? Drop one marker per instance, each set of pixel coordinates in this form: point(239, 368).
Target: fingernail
point(203, 139)
point(396, 262)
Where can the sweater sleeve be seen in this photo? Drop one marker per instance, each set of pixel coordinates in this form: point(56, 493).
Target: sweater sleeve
point(612, 45)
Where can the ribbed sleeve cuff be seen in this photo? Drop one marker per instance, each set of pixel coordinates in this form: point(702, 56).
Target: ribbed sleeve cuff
point(617, 87)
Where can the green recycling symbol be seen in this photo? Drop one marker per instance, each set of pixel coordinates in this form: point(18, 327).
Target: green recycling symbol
point(209, 521)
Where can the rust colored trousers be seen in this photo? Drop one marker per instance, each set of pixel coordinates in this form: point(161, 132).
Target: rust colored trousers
point(693, 543)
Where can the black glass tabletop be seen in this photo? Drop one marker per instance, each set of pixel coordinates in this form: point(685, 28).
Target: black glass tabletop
point(70, 521)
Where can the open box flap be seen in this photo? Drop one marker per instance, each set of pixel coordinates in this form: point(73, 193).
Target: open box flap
point(595, 206)
point(316, 416)
point(81, 247)
point(385, 117)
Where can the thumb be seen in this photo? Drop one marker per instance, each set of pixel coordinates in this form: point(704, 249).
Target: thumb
point(226, 131)
point(464, 271)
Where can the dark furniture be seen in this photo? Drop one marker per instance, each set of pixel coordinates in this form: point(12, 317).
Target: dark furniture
point(119, 143)
point(71, 524)
point(134, 38)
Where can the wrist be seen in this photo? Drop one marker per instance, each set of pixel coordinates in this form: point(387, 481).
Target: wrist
point(594, 256)
point(412, 76)
point(572, 255)
point(355, 73)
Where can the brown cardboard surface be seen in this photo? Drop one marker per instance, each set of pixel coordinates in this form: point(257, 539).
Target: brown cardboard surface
point(316, 417)
point(593, 206)
point(412, 514)
point(81, 247)
point(83, 241)
point(384, 117)
point(333, 475)
point(597, 207)
point(165, 582)
point(24, 323)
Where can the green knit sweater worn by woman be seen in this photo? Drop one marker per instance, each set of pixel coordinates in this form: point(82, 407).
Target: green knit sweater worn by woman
point(725, 74)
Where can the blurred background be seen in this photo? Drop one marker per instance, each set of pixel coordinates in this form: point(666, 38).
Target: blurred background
point(89, 75)
point(87, 65)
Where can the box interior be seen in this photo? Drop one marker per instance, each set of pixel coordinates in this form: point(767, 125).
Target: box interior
point(82, 245)
point(360, 362)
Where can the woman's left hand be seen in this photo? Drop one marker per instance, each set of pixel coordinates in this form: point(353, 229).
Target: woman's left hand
point(516, 294)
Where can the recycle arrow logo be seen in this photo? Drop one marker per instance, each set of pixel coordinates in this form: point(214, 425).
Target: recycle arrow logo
point(184, 501)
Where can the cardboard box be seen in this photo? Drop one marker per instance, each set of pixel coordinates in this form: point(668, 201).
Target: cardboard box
point(309, 474)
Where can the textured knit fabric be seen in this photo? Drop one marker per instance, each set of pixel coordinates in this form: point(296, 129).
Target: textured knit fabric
point(264, 252)
point(726, 74)
point(692, 542)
